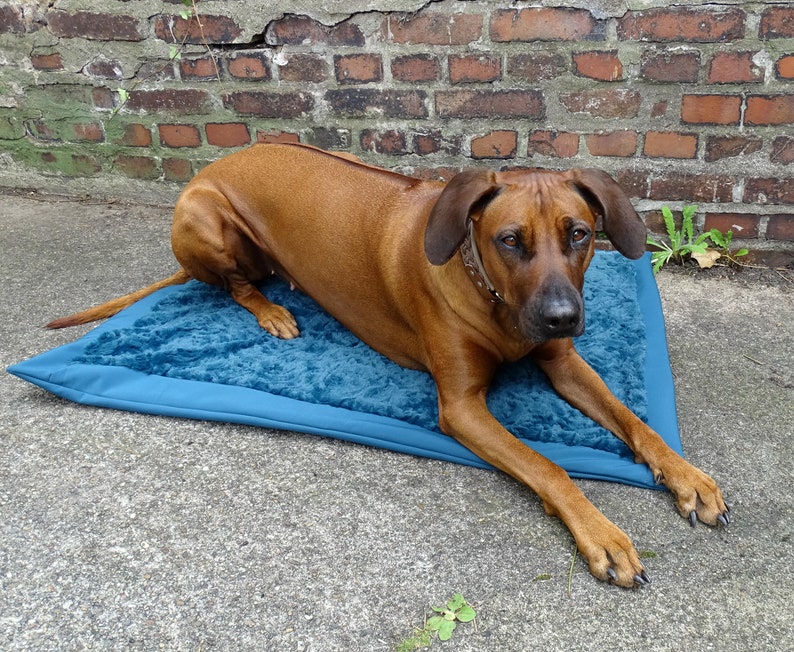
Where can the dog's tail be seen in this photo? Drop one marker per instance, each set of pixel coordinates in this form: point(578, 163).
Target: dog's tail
point(110, 308)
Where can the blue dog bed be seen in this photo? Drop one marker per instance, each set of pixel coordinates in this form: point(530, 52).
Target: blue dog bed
point(190, 351)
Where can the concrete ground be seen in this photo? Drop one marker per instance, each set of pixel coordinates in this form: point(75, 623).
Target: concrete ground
point(131, 532)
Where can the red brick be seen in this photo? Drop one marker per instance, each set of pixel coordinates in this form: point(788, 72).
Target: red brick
point(541, 24)
point(769, 110)
point(269, 105)
point(553, 143)
point(277, 137)
point(227, 134)
point(497, 144)
point(432, 141)
point(490, 104)
point(358, 68)
point(300, 30)
point(659, 109)
point(153, 71)
point(616, 143)
point(536, 66)
point(135, 135)
point(474, 68)
point(777, 22)
point(11, 20)
point(780, 227)
point(769, 191)
point(743, 225)
point(600, 65)
point(390, 142)
point(682, 67)
point(618, 103)
point(250, 65)
point(175, 100)
point(179, 136)
point(670, 144)
point(654, 221)
point(700, 188)
point(734, 68)
point(52, 61)
point(177, 169)
point(362, 102)
point(88, 132)
point(41, 130)
point(711, 109)
point(94, 26)
point(213, 29)
point(635, 183)
point(103, 98)
point(433, 28)
point(720, 147)
point(303, 68)
point(685, 24)
point(785, 67)
point(782, 150)
point(427, 143)
point(415, 68)
point(136, 167)
point(104, 68)
point(203, 68)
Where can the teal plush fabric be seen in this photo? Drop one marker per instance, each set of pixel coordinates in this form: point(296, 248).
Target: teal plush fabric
point(201, 334)
point(196, 339)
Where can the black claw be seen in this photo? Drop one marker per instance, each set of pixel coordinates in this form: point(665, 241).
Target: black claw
point(659, 478)
point(644, 576)
point(693, 518)
point(641, 579)
point(724, 518)
point(613, 576)
point(727, 508)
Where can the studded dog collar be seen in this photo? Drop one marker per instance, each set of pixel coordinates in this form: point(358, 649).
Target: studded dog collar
point(475, 270)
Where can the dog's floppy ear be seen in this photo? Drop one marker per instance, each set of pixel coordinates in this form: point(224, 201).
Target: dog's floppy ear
point(447, 226)
point(620, 221)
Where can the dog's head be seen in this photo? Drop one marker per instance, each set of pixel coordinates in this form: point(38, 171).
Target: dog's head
point(535, 232)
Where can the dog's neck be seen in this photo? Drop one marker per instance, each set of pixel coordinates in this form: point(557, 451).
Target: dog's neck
point(475, 270)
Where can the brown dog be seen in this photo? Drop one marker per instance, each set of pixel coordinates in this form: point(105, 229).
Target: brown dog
point(451, 278)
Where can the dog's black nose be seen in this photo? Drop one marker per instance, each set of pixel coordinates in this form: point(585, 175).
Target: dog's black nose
point(561, 315)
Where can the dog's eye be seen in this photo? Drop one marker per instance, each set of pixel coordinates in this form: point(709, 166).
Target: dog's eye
point(510, 240)
point(579, 235)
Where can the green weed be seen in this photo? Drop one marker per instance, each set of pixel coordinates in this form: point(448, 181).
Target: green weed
point(457, 610)
point(683, 244)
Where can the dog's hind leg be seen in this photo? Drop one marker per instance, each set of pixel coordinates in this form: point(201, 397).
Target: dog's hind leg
point(209, 241)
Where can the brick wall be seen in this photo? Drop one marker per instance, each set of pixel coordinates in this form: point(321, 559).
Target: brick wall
point(692, 103)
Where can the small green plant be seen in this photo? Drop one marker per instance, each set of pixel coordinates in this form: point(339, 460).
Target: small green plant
point(682, 244)
point(457, 610)
point(723, 241)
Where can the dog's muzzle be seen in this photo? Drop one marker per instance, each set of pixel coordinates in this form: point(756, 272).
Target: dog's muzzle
point(556, 312)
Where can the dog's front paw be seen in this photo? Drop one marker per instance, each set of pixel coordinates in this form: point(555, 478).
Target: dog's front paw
point(611, 556)
point(697, 496)
point(278, 321)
